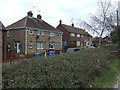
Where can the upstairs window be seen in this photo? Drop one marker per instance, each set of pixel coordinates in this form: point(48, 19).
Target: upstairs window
point(72, 34)
point(40, 33)
point(78, 35)
point(51, 45)
point(52, 34)
point(8, 33)
point(30, 31)
point(40, 45)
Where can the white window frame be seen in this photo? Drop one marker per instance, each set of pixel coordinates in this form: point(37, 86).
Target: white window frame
point(40, 45)
point(78, 35)
point(52, 44)
point(52, 34)
point(40, 33)
point(31, 44)
point(72, 34)
point(78, 43)
point(29, 31)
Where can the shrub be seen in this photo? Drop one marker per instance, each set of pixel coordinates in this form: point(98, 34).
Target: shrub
point(69, 70)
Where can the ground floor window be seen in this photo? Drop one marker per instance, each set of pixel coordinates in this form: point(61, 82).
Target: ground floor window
point(51, 45)
point(40, 45)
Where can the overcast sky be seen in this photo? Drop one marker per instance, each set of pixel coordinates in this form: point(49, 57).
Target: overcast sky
point(69, 11)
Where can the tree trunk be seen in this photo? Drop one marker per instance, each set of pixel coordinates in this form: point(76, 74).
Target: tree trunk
point(99, 45)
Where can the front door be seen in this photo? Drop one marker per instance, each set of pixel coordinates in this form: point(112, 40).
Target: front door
point(18, 47)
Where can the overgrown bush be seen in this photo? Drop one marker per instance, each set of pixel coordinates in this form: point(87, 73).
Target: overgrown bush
point(69, 70)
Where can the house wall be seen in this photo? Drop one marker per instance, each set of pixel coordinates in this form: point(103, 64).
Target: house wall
point(25, 38)
point(68, 38)
point(4, 44)
point(17, 36)
point(1, 47)
point(65, 35)
point(46, 39)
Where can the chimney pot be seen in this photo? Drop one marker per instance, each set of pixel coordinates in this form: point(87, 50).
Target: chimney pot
point(72, 25)
point(39, 16)
point(30, 13)
point(60, 22)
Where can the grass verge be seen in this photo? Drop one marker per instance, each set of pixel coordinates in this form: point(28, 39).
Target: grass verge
point(108, 77)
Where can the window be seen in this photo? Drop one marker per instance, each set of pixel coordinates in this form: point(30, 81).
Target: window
point(8, 33)
point(72, 34)
point(78, 43)
point(31, 45)
point(52, 34)
point(30, 31)
point(58, 34)
point(51, 46)
point(40, 45)
point(58, 43)
point(81, 35)
point(8, 47)
point(78, 35)
point(40, 32)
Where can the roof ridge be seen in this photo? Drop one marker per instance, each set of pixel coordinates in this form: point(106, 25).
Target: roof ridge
point(25, 24)
point(73, 27)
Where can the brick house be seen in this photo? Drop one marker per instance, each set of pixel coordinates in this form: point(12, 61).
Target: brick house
point(3, 32)
point(75, 35)
point(32, 35)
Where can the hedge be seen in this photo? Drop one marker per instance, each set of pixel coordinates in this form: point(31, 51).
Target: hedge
point(69, 70)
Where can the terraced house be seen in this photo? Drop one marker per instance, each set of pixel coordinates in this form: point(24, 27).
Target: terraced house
point(32, 35)
point(77, 36)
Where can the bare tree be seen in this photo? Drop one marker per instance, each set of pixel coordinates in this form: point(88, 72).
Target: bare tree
point(103, 21)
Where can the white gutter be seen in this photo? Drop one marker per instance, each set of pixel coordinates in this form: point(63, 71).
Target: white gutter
point(34, 29)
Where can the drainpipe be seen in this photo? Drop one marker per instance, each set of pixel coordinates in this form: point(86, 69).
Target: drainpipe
point(61, 44)
point(26, 51)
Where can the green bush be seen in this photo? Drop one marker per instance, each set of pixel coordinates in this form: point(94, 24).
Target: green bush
point(69, 70)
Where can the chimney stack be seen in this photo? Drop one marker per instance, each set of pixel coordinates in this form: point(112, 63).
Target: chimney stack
point(72, 25)
point(30, 14)
point(60, 22)
point(39, 16)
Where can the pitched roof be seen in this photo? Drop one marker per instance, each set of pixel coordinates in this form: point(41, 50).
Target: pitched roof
point(2, 27)
point(75, 30)
point(31, 22)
